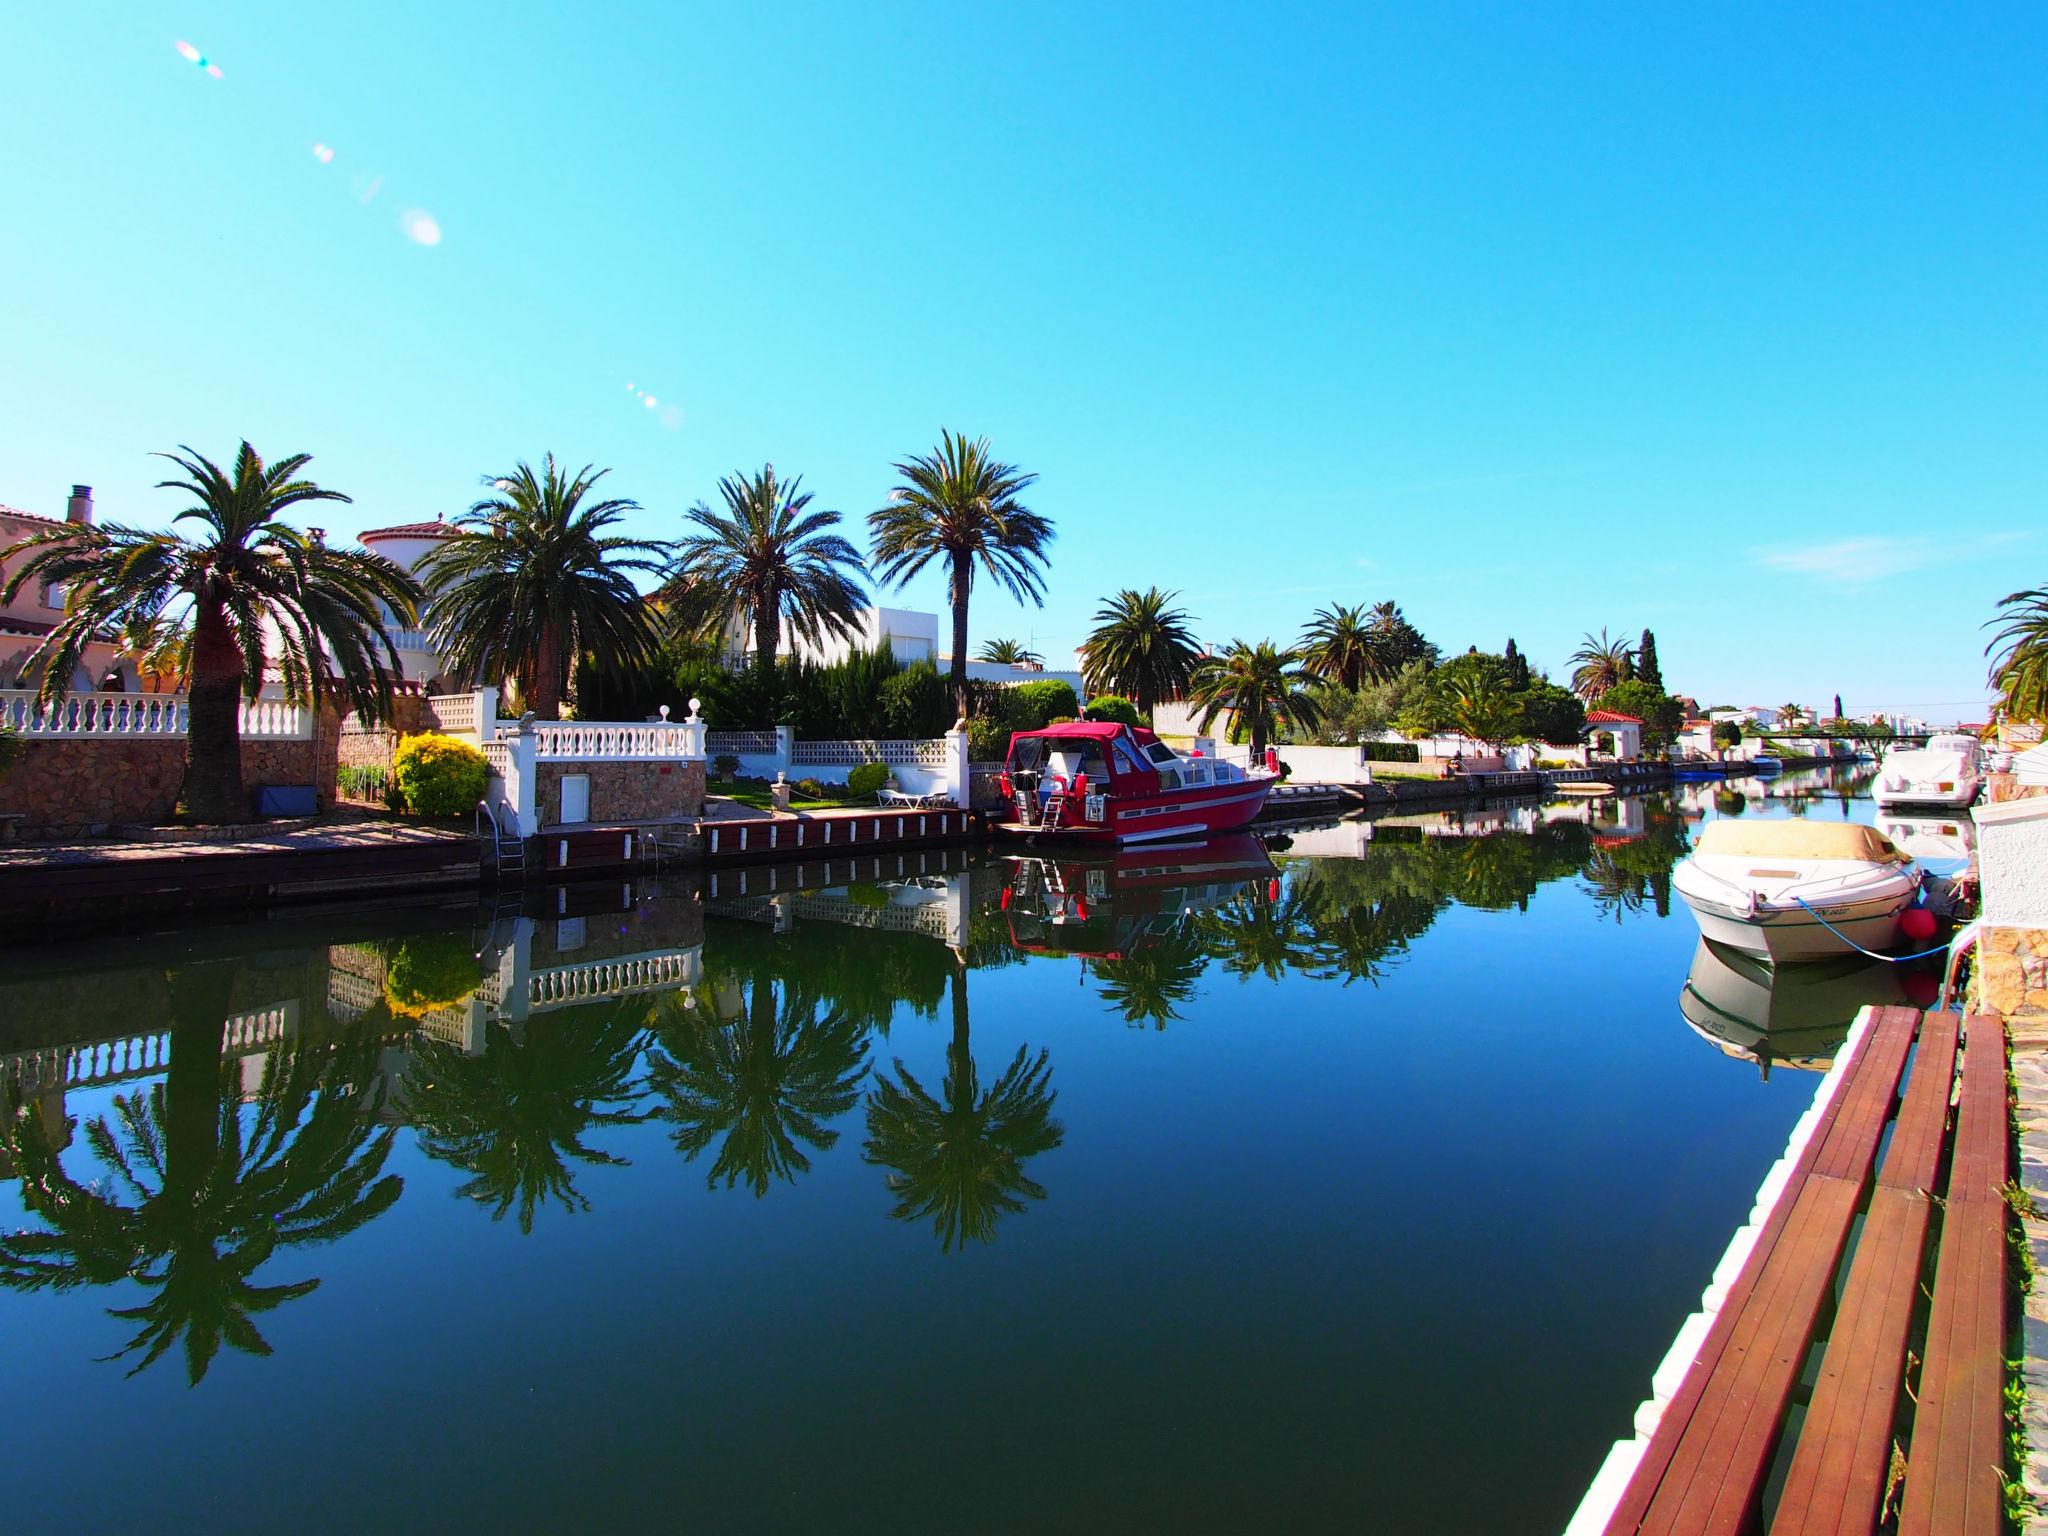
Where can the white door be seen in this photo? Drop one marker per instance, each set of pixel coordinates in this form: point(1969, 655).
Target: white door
point(575, 798)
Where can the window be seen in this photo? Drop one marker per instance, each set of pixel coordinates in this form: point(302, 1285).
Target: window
point(53, 596)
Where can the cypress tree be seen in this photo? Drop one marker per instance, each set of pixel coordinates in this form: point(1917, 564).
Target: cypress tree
point(1518, 667)
point(1646, 662)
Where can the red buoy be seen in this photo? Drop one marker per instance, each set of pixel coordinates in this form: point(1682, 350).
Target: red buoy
point(1917, 924)
point(1921, 988)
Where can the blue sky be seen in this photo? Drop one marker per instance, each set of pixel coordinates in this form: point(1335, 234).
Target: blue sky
point(1723, 320)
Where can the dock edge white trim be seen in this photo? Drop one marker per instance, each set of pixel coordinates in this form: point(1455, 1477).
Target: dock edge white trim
point(1604, 1492)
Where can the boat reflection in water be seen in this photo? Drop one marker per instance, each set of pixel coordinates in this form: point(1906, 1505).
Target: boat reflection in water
point(1794, 1016)
point(1113, 908)
point(1931, 838)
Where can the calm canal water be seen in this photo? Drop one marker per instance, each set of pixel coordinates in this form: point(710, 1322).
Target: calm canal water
point(1355, 1180)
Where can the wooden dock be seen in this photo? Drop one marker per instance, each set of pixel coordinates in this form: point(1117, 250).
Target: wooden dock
point(1848, 1363)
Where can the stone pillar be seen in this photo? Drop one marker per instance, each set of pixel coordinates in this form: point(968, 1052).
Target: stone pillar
point(785, 747)
point(522, 777)
point(486, 715)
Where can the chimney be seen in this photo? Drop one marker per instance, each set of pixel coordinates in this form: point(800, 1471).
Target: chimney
point(79, 508)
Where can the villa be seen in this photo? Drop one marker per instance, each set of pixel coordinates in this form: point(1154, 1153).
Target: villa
point(34, 613)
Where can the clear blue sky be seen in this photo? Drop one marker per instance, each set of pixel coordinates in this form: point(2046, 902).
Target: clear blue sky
point(1729, 321)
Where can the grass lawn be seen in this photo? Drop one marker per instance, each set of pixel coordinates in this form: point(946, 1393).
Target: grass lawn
point(1401, 770)
point(758, 796)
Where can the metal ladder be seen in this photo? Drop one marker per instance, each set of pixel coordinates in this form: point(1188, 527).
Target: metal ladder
point(1055, 811)
point(501, 850)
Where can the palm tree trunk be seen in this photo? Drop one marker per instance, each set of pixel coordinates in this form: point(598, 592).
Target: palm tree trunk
point(957, 1051)
point(213, 739)
point(1257, 726)
point(546, 694)
point(767, 635)
point(962, 575)
point(201, 997)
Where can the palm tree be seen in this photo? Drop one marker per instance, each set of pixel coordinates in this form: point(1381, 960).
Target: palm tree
point(1008, 653)
point(1394, 642)
point(1140, 648)
point(765, 1082)
point(2020, 669)
point(770, 563)
point(514, 1117)
point(532, 580)
point(1264, 689)
point(217, 1190)
point(1253, 936)
point(258, 593)
point(1599, 664)
point(1486, 714)
point(959, 504)
point(1338, 645)
point(959, 1157)
point(160, 644)
point(1790, 716)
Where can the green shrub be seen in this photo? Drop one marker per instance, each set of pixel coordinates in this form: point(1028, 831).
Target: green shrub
point(866, 779)
point(439, 775)
point(12, 748)
point(988, 741)
point(428, 971)
point(1390, 751)
point(814, 789)
point(1114, 708)
point(916, 704)
point(724, 766)
point(1033, 706)
point(1059, 720)
point(368, 783)
point(864, 893)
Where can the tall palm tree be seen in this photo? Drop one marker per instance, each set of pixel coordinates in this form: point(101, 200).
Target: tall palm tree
point(961, 505)
point(958, 1156)
point(514, 1117)
point(1597, 665)
point(533, 579)
point(768, 1083)
point(1791, 715)
point(1338, 645)
point(259, 594)
point(1140, 648)
point(770, 563)
point(1394, 642)
point(1486, 714)
point(1008, 653)
point(1264, 689)
point(2019, 670)
point(217, 1189)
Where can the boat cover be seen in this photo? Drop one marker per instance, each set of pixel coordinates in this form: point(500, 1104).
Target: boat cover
point(1799, 840)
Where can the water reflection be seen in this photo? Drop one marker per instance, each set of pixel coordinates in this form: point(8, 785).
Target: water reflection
point(1796, 1016)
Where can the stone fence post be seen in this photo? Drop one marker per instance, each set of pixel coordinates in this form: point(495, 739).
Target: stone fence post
point(785, 748)
point(522, 776)
point(957, 767)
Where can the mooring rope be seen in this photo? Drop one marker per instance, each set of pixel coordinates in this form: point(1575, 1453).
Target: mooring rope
point(1939, 949)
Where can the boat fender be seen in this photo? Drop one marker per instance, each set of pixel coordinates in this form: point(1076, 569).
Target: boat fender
point(1917, 924)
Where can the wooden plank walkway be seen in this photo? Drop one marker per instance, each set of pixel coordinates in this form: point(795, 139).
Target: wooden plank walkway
point(1706, 1464)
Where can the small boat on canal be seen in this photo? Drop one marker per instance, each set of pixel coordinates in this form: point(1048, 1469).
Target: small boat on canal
point(1097, 781)
point(1947, 771)
point(1797, 890)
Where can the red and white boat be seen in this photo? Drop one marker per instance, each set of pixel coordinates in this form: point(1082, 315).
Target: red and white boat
point(1095, 781)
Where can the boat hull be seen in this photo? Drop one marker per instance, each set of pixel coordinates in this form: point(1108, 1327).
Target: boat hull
point(1131, 820)
point(1781, 934)
point(1960, 794)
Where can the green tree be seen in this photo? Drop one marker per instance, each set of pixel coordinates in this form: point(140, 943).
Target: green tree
point(763, 1085)
point(514, 1116)
point(958, 1156)
point(1647, 668)
point(2018, 652)
point(200, 1192)
point(533, 578)
point(1489, 715)
point(1338, 647)
point(963, 507)
point(1518, 667)
point(768, 562)
point(1598, 665)
point(1551, 713)
point(1396, 644)
point(1140, 648)
point(1008, 653)
point(1727, 733)
point(1263, 688)
point(258, 594)
point(1661, 714)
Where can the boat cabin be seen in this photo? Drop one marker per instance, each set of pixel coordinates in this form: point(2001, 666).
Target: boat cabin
point(1083, 757)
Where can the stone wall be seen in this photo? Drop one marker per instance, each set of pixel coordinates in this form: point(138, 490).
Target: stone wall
point(71, 787)
point(629, 791)
point(2012, 964)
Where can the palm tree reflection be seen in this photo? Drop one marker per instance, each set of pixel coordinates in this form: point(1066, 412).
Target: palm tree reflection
point(959, 1157)
point(514, 1116)
point(767, 1082)
point(201, 1190)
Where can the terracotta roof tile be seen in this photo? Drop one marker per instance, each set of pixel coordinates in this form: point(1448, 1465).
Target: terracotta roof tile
point(410, 531)
point(28, 517)
point(1609, 717)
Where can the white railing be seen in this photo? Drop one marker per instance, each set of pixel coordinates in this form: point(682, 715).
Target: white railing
point(851, 754)
point(455, 714)
point(411, 639)
point(580, 741)
point(126, 1056)
point(85, 716)
point(660, 971)
point(740, 743)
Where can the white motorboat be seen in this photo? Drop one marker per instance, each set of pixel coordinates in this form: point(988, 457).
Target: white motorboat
point(1931, 838)
point(1796, 890)
point(1946, 771)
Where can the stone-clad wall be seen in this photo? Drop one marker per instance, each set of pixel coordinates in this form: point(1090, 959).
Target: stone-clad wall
point(625, 791)
point(2013, 963)
point(69, 787)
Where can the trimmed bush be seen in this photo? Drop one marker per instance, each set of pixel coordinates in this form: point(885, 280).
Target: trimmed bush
point(1390, 751)
point(814, 789)
point(12, 749)
point(428, 971)
point(438, 775)
point(1114, 708)
point(866, 779)
point(915, 703)
point(988, 741)
point(724, 766)
point(1059, 720)
point(1034, 706)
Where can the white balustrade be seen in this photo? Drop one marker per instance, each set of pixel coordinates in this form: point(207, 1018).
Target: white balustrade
point(595, 980)
point(740, 743)
point(453, 714)
point(607, 741)
point(935, 753)
point(90, 716)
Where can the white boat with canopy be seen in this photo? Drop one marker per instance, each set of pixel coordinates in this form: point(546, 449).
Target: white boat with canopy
point(1796, 890)
point(1946, 771)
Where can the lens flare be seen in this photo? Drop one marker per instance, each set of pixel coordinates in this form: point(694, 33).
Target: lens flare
point(323, 154)
point(672, 418)
point(192, 55)
point(420, 227)
point(650, 402)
